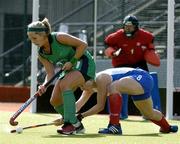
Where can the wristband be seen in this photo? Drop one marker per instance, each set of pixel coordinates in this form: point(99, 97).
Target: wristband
point(74, 60)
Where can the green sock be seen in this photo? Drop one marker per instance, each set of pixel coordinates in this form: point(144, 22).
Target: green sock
point(69, 107)
point(60, 109)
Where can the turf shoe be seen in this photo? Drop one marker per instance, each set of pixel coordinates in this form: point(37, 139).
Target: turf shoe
point(111, 129)
point(69, 128)
point(79, 127)
point(172, 129)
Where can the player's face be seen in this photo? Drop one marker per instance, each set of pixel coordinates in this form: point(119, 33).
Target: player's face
point(37, 39)
point(129, 28)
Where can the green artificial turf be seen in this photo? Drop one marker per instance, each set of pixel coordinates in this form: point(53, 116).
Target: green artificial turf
point(135, 131)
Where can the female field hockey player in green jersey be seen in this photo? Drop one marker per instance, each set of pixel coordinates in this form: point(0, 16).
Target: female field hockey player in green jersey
point(78, 67)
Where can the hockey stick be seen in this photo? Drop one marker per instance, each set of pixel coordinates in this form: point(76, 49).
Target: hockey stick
point(57, 122)
point(26, 104)
point(32, 126)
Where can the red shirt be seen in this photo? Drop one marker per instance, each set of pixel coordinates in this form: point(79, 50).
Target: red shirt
point(132, 49)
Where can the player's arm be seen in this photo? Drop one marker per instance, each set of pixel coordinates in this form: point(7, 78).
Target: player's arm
point(102, 82)
point(76, 43)
point(83, 99)
point(111, 41)
point(49, 68)
point(151, 56)
point(112, 52)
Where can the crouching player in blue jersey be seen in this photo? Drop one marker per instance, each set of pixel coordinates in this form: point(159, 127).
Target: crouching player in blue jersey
point(117, 81)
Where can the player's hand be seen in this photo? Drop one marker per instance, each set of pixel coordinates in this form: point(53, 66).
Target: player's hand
point(41, 90)
point(67, 66)
point(117, 53)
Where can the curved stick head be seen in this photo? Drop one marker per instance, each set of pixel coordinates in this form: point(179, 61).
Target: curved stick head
point(13, 131)
point(13, 123)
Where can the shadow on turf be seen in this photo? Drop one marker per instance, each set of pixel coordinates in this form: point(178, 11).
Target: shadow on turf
point(132, 120)
point(76, 136)
point(145, 135)
point(100, 135)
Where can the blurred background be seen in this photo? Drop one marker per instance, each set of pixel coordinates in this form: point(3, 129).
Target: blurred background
point(77, 18)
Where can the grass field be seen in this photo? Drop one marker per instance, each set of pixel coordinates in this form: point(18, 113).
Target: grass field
point(135, 131)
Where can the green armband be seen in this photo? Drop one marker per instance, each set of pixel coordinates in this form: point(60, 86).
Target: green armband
point(74, 60)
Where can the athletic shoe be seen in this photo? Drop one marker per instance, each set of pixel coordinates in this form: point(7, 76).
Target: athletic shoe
point(69, 128)
point(79, 127)
point(111, 129)
point(172, 129)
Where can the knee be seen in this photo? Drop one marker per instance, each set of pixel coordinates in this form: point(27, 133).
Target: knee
point(147, 116)
point(55, 102)
point(62, 86)
point(151, 115)
point(66, 85)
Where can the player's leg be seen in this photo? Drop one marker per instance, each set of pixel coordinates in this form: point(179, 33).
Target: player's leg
point(124, 85)
point(146, 108)
point(115, 104)
point(67, 85)
point(145, 105)
point(56, 99)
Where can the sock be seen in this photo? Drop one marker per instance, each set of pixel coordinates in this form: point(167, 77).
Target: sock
point(162, 123)
point(60, 109)
point(69, 107)
point(115, 103)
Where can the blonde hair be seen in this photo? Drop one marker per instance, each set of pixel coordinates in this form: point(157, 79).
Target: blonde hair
point(40, 26)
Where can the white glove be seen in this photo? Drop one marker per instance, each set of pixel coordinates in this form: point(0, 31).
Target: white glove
point(117, 53)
